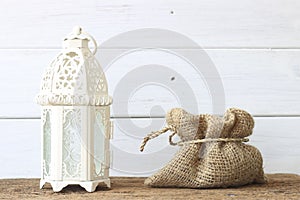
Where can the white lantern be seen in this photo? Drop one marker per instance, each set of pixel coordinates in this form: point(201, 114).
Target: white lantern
point(76, 125)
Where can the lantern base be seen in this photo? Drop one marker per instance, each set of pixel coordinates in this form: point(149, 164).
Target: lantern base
point(89, 186)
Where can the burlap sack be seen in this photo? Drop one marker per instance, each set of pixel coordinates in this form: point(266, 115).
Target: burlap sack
point(212, 152)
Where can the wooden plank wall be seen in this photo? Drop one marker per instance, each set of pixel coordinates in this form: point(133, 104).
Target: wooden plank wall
point(253, 44)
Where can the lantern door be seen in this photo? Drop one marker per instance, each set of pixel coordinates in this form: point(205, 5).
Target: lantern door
point(75, 144)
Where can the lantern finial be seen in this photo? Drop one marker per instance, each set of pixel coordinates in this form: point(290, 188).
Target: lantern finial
point(78, 33)
point(77, 30)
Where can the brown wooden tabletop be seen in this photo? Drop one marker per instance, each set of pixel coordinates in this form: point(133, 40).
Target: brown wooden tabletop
point(280, 186)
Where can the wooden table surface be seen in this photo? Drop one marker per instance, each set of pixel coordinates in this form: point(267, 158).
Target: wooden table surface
point(280, 186)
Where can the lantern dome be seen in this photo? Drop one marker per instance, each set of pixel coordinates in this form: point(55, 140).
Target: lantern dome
point(75, 77)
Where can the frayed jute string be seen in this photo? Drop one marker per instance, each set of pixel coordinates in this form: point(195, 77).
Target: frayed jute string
point(155, 134)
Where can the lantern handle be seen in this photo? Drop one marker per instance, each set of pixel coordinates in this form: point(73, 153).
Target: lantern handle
point(93, 41)
point(78, 33)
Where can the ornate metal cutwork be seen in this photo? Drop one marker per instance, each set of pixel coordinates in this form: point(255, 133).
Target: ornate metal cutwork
point(74, 78)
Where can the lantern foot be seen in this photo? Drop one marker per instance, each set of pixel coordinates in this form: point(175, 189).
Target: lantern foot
point(89, 186)
point(42, 183)
point(107, 183)
point(58, 186)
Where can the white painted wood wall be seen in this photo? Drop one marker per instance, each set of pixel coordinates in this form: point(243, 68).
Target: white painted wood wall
point(254, 44)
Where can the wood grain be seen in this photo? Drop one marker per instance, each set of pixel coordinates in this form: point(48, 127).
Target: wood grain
point(280, 186)
point(254, 45)
point(264, 82)
point(234, 23)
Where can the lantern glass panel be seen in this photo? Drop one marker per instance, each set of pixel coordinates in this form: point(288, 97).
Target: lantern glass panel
point(46, 142)
point(99, 145)
point(72, 143)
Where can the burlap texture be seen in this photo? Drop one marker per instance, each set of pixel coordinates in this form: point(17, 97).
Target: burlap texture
point(211, 164)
